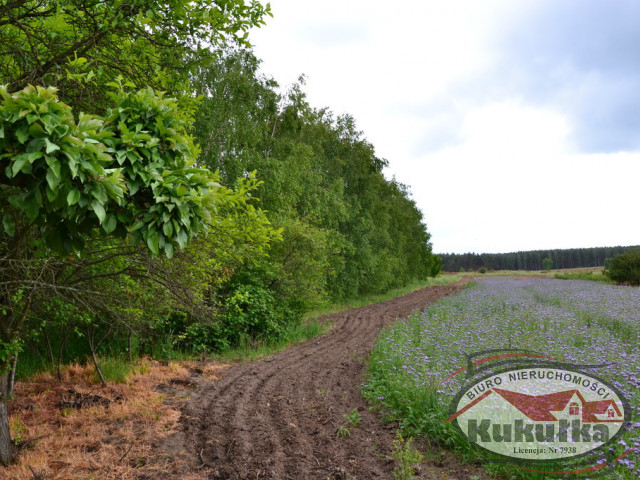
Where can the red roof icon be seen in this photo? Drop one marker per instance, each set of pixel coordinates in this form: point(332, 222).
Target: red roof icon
point(539, 407)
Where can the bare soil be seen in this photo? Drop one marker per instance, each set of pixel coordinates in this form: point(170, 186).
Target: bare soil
point(278, 418)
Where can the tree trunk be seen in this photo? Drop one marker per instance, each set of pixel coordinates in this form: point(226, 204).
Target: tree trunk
point(12, 376)
point(5, 435)
point(130, 346)
point(91, 339)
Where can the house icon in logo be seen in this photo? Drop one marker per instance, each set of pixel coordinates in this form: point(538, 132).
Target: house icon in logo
point(566, 405)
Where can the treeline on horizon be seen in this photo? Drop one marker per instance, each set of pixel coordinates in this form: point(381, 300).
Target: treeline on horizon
point(532, 259)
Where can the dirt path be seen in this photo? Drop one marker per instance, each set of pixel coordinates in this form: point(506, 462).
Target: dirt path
point(277, 418)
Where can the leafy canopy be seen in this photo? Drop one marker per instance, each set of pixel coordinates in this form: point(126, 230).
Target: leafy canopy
point(129, 172)
point(80, 45)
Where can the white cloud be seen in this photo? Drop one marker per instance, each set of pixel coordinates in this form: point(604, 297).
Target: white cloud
point(487, 110)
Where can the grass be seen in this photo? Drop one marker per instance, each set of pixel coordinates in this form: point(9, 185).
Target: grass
point(532, 273)
point(312, 326)
point(110, 440)
point(580, 322)
point(365, 300)
point(507, 273)
point(251, 349)
point(591, 276)
point(353, 421)
point(114, 369)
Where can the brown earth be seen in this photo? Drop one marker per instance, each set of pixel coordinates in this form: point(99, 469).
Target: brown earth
point(279, 417)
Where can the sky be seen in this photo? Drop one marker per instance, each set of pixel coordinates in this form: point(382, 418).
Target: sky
point(515, 123)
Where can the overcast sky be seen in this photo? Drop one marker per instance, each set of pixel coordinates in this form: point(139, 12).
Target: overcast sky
point(515, 123)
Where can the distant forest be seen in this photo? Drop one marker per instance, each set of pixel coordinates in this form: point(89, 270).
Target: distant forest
point(531, 260)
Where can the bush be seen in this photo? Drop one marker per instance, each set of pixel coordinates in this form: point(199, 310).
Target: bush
point(482, 270)
point(625, 268)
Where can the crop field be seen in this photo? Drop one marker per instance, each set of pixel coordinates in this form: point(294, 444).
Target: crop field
point(576, 321)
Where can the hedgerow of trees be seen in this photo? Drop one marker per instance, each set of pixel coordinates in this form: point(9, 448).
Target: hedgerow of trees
point(134, 221)
point(625, 268)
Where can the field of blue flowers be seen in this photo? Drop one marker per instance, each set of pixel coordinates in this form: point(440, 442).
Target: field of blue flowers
point(575, 321)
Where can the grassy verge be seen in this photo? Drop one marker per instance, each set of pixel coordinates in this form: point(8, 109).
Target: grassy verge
point(251, 349)
point(311, 326)
point(580, 322)
point(383, 297)
point(593, 277)
point(507, 273)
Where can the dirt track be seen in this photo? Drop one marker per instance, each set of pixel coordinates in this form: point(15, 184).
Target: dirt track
point(278, 417)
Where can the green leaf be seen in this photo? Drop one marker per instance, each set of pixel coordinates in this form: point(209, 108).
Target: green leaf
point(137, 226)
point(9, 225)
point(30, 207)
point(35, 145)
point(152, 242)
point(36, 131)
point(99, 193)
point(181, 191)
point(19, 162)
point(135, 237)
point(52, 194)
point(110, 224)
point(73, 196)
point(22, 133)
point(168, 250)
point(54, 164)
point(51, 147)
point(52, 179)
point(181, 238)
point(98, 208)
point(167, 229)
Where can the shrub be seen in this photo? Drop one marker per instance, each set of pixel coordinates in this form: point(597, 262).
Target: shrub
point(482, 270)
point(625, 268)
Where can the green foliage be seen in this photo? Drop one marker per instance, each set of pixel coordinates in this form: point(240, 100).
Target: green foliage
point(407, 458)
point(130, 172)
point(346, 230)
point(547, 263)
point(92, 206)
point(594, 277)
point(625, 268)
point(353, 418)
point(353, 421)
point(115, 369)
point(80, 45)
point(251, 311)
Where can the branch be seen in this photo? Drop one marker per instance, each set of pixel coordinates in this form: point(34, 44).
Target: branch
point(86, 43)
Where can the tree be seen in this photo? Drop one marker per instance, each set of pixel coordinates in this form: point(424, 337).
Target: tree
point(80, 45)
point(128, 174)
point(346, 229)
point(625, 268)
point(547, 263)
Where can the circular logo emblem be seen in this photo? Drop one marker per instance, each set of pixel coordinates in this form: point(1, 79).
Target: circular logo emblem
point(545, 412)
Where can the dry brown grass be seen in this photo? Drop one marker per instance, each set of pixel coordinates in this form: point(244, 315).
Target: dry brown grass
point(116, 441)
